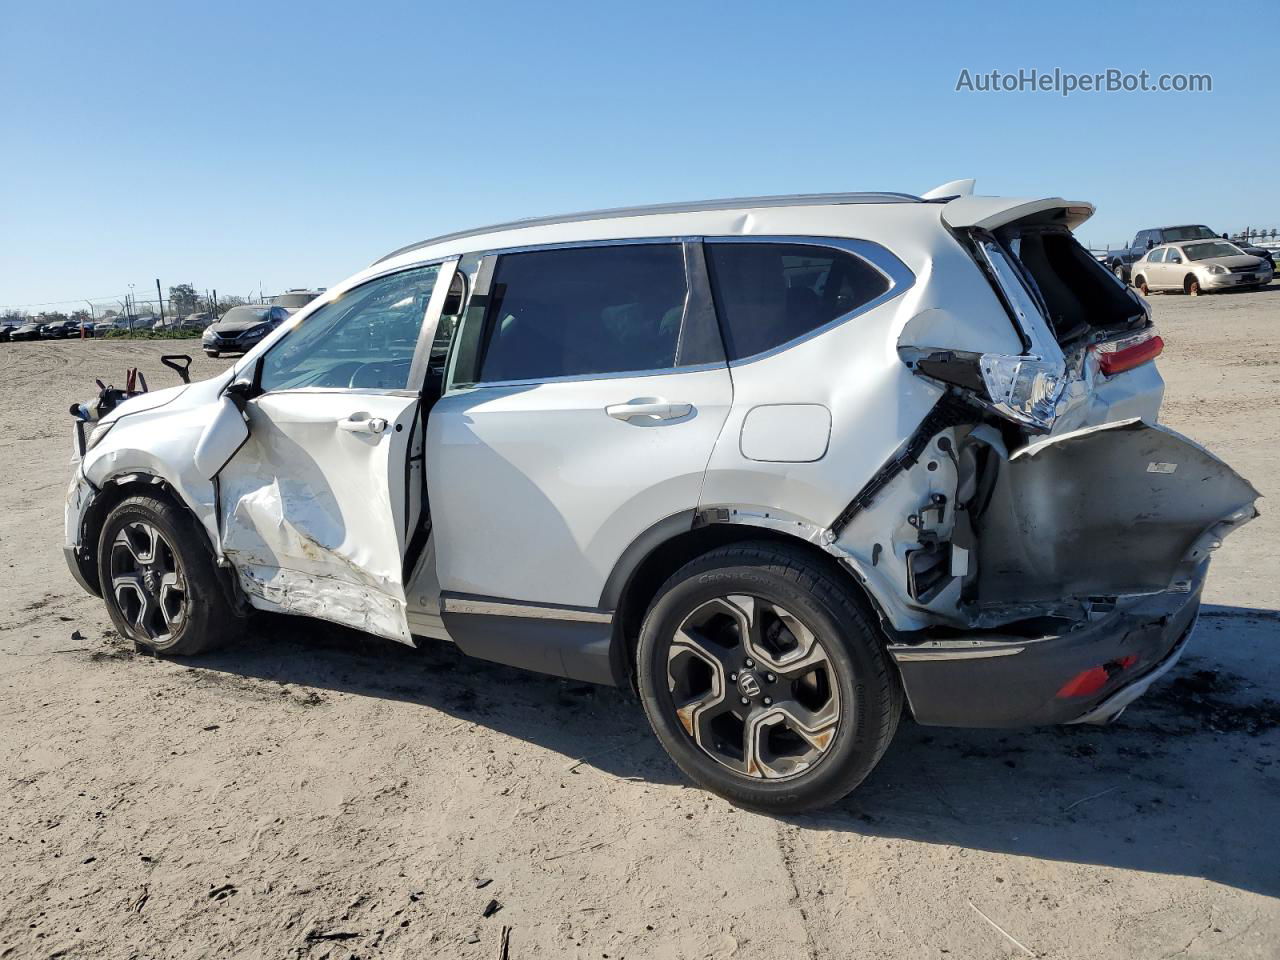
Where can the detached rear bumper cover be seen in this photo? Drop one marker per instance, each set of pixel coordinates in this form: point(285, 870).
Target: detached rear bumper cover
point(1093, 553)
point(1013, 682)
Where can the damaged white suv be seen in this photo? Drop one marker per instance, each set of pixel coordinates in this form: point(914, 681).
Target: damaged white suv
point(779, 463)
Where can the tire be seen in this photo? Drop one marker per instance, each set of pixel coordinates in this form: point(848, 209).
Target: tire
point(1119, 271)
point(1191, 286)
point(165, 595)
point(692, 677)
point(1140, 282)
point(211, 353)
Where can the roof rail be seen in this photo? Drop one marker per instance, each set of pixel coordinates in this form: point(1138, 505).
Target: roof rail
point(689, 206)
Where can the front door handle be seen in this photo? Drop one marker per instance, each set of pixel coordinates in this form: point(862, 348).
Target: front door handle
point(363, 423)
point(648, 409)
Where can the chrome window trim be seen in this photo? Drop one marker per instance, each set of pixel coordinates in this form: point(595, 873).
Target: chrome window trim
point(515, 608)
point(574, 378)
point(882, 260)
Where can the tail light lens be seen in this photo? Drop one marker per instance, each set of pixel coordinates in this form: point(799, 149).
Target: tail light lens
point(1117, 356)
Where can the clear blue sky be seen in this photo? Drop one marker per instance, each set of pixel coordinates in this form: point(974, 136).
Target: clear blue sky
point(230, 144)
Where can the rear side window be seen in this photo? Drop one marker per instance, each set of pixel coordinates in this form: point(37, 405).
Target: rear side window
point(584, 311)
point(768, 294)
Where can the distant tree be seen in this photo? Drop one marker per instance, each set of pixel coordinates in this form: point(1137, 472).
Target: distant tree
point(13, 316)
point(53, 317)
point(228, 301)
point(183, 299)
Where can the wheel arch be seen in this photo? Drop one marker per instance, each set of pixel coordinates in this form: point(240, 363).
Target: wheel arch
point(666, 547)
point(114, 491)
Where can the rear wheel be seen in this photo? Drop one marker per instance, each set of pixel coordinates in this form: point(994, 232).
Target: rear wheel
point(764, 679)
point(1118, 270)
point(159, 580)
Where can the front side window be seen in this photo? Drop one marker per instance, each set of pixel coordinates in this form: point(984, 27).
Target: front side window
point(364, 338)
point(768, 294)
point(1157, 256)
point(584, 311)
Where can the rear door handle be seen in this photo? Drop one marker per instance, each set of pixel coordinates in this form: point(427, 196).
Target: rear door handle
point(648, 409)
point(363, 423)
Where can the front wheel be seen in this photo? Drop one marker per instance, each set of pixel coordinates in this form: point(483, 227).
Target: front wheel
point(1118, 270)
point(764, 679)
point(159, 579)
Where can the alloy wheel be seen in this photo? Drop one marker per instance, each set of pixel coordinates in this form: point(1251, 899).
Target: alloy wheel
point(753, 687)
point(147, 582)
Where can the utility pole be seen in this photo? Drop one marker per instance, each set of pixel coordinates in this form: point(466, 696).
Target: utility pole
point(160, 301)
point(215, 303)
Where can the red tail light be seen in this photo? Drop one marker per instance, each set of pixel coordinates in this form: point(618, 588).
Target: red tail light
point(1117, 356)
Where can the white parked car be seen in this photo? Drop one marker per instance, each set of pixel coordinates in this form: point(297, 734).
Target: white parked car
point(1200, 267)
point(781, 464)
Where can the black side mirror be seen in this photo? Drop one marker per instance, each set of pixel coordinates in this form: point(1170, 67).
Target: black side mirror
point(244, 387)
point(1150, 243)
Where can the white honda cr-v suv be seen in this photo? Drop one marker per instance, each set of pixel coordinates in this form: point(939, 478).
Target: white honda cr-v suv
point(778, 463)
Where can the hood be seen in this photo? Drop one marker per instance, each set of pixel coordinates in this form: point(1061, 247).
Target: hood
point(1233, 263)
point(235, 326)
point(145, 401)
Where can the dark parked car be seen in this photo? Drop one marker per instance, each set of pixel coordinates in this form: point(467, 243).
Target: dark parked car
point(59, 330)
point(6, 331)
point(242, 328)
point(28, 331)
point(1120, 261)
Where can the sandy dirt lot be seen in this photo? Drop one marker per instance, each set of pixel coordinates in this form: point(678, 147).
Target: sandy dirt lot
point(310, 793)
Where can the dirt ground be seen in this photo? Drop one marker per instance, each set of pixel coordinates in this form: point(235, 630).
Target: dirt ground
point(310, 793)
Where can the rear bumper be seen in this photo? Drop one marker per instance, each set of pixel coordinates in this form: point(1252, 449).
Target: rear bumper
point(1009, 682)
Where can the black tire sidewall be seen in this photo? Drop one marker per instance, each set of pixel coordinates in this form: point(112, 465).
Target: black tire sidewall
point(205, 604)
point(856, 662)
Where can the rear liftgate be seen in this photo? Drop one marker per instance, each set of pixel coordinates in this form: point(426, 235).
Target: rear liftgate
point(1052, 584)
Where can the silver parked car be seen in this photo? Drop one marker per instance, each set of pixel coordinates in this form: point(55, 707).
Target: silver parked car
point(786, 466)
point(1200, 267)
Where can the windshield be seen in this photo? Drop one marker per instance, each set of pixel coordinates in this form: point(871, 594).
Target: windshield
point(1178, 234)
point(245, 315)
point(1203, 251)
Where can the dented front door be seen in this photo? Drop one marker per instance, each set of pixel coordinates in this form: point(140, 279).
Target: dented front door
point(314, 507)
point(317, 507)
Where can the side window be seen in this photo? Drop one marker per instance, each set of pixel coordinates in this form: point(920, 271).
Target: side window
point(1156, 256)
point(768, 294)
point(365, 338)
point(584, 311)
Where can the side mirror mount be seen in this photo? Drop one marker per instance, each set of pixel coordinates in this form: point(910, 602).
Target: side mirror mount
point(228, 430)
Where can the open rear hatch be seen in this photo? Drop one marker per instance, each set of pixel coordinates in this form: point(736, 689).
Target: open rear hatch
point(1040, 485)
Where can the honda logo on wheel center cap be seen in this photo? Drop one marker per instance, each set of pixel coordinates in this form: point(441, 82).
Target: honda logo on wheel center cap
point(748, 684)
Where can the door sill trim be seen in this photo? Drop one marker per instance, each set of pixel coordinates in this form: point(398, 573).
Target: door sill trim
point(513, 608)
